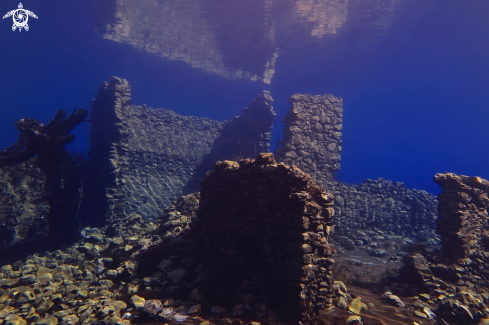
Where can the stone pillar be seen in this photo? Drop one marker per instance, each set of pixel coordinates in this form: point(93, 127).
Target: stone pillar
point(464, 222)
point(263, 220)
point(455, 277)
point(312, 136)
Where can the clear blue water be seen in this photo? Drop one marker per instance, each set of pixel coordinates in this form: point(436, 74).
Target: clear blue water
point(414, 74)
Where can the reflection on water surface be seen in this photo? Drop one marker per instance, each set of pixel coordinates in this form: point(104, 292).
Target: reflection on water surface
point(234, 39)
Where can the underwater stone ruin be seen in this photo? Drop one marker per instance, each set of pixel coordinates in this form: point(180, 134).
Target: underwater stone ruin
point(24, 208)
point(453, 280)
point(261, 219)
point(144, 157)
point(384, 205)
point(40, 196)
point(313, 142)
point(463, 223)
point(255, 241)
point(312, 136)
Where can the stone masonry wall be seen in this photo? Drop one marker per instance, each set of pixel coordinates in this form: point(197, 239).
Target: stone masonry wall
point(23, 208)
point(144, 157)
point(312, 135)
point(454, 280)
point(464, 221)
point(312, 142)
point(260, 219)
point(385, 205)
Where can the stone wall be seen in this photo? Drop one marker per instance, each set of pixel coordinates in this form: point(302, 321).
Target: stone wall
point(23, 207)
point(454, 279)
point(312, 135)
point(385, 205)
point(260, 219)
point(312, 142)
point(142, 158)
point(463, 223)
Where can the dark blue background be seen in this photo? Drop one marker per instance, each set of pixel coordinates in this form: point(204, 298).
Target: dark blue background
point(415, 96)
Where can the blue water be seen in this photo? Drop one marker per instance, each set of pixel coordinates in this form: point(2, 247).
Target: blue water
point(413, 75)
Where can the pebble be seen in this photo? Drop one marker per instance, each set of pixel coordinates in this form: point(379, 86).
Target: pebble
point(194, 310)
point(354, 320)
point(393, 300)
point(137, 301)
point(180, 318)
point(342, 303)
point(218, 310)
point(49, 320)
point(15, 320)
point(152, 306)
point(70, 320)
point(177, 275)
point(355, 305)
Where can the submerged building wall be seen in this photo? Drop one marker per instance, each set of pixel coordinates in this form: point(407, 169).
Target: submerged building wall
point(313, 142)
point(312, 136)
point(463, 223)
point(384, 205)
point(259, 219)
point(454, 278)
point(142, 158)
point(24, 209)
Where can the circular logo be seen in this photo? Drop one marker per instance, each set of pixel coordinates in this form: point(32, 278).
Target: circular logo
point(20, 18)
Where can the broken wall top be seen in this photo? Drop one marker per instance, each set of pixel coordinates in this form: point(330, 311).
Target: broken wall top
point(142, 158)
point(260, 219)
point(464, 221)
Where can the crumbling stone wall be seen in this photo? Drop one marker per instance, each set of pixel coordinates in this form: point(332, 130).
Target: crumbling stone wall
point(455, 278)
point(260, 219)
point(23, 207)
point(144, 157)
point(312, 136)
point(312, 141)
point(386, 205)
point(463, 223)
